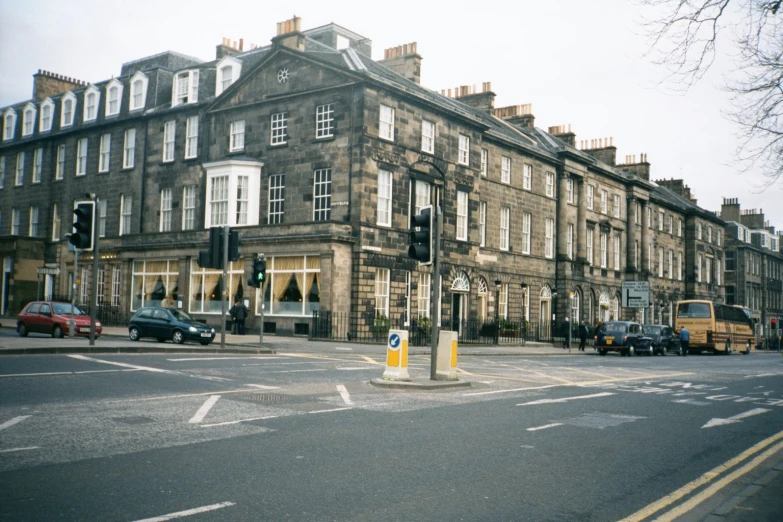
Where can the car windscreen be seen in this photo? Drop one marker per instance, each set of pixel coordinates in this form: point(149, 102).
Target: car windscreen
point(652, 330)
point(611, 328)
point(65, 309)
point(694, 311)
point(182, 316)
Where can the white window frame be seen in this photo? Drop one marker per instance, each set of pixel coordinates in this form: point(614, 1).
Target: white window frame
point(670, 224)
point(590, 197)
point(550, 184)
point(101, 212)
point(505, 213)
point(169, 137)
point(386, 123)
point(242, 200)
point(189, 207)
point(698, 231)
point(28, 120)
point(222, 81)
point(9, 124)
point(679, 228)
point(671, 264)
point(484, 162)
point(569, 190)
point(59, 167)
point(218, 200)
point(66, 116)
point(527, 218)
point(463, 157)
point(138, 91)
point(698, 267)
point(20, 161)
point(462, 216)
point(276, 199)
point(322, 195)
point(570, 241)
point(382, 279)
point(191, 137)
point(708, 269)
point(384, 213)
point(32, 228)
point(129, 149)
point(184, 88)
point(660, 262)
point(324, 121)
point(165, 210)
point(660, 220)
point(549, 243)
point(278, 134)
point(91, 109)
point(617, 204)
point(604, 247)
point(604, 202)
point(81, 157)
point(527, 176)
point(113, 98)
point(590, 238)
point(37, 165)
point(2, 172)
point(505, 169)
point(126, 213)
point(427, 136)
point(16, 218)
point(423, 295)
point(104, 157)
point(483, 223)
point(45, 123)
point(56, 223)
point(237, 136)
point(617, 251)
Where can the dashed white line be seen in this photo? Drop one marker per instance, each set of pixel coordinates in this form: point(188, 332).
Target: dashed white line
point(15, 420)
point(565, 399)
point(134, 366)
point(188, 512)
point(512, 390)
point(43, 374)
point(343, 348)
point(19, 449)
point(554, 424)
point(220, 358)
point(263, 386)
point(202, 412)
point(344, 394)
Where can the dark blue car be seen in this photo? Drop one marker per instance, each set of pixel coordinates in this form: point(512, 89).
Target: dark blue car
point(166, 323)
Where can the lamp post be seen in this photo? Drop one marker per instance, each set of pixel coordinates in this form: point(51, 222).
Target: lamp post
point(498, 282)
point(523, 326)
point(552, 323)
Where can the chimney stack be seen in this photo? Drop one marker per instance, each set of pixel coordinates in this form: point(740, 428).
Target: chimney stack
point(640, 169)
point(404, 60)
point(469, 94)
point(564, 133)
point(289, 34)
point(47, 84)
point(730, 210)
point(602, 149)
point(519, 115)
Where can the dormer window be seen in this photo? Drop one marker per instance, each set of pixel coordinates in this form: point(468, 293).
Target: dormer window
point(113, 98)
point(228, 70)
point(28, 121)
point(185, 88)
point(138, 91)
point(9, 122)
point(68, 109)
point(91, 98)
point(47, 112)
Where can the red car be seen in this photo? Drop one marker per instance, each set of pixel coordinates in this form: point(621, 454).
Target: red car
point(52, 317)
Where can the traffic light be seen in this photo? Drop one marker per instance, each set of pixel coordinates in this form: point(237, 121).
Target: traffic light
point(233, 245)
point(216, 247)
point(421, 247)
point(774, 323)
point(83, 223)
point(259, 273)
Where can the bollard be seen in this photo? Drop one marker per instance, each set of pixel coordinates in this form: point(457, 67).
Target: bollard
point(397, 356)
point(447, 356)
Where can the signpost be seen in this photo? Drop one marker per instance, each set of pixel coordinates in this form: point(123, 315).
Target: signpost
point(636, 294)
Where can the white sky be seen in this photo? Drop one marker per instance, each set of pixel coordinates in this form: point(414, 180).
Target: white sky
point(576, 62)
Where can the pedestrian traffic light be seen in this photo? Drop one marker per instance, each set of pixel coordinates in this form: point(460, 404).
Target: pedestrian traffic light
point(421, 244)
point(259, 273)
point(83, 222)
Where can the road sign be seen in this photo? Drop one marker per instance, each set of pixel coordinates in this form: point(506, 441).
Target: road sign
point(636, 294)
point(48, 271)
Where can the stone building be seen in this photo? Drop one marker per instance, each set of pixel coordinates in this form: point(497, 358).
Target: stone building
point(319, 156)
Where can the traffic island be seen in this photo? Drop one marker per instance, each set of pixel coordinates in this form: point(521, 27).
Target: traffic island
point(423, 384)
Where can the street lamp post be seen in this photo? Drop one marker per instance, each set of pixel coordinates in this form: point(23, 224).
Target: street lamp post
point(498, 282)
point(553, 324)
point(523, 326)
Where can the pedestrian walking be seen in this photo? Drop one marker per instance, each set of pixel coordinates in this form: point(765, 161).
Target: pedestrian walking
point(567, 334)
point(238, 315)
point(582, 336)
point(685, 339)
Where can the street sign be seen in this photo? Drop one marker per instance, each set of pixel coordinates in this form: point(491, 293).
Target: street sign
point(636, 294)
point(48, 271)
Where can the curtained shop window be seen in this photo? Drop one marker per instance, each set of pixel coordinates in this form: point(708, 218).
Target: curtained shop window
point(205, 286)
point(293, 287)
point(153, 280)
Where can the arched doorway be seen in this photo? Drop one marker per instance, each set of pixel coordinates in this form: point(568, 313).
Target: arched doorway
point(460, 288)
point(545, 311)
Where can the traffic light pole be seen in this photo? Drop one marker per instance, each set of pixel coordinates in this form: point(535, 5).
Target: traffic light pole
point(224, 288)
point(435, 283)
point(94, 288)
point(74, 289)
point(261, 328)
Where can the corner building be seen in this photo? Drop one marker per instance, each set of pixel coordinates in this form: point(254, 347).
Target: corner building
point(319, 156)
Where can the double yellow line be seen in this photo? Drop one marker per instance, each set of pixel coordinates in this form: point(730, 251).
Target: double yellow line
point(707, 478)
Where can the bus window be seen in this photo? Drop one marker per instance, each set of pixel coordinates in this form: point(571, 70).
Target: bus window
point(694, 310)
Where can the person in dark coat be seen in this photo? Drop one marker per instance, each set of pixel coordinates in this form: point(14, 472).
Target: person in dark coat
point(583, 331)
point(238, 315)
point(685, 339)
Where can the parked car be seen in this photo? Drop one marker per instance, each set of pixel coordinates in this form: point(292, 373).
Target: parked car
point(165, 323)
point(620, 336)
point(663, 338)
point(54, 318)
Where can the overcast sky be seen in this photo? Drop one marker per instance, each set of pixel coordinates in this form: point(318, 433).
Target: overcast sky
point(576, 62)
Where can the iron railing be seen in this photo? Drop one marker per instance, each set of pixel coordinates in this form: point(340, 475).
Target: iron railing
point(106, 313)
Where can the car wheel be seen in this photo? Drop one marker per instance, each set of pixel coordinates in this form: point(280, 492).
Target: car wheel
point(178, 337)
point(663, 351)
point(134, 333)
point(631, 351)
point(652, 350)
point(601, 352)
point(57, 332)
point(21, 329)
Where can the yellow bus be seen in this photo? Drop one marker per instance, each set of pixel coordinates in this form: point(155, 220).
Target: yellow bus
point(714, 326)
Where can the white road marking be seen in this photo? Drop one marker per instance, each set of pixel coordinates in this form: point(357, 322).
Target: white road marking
point(263, 386)
point(184, 395)
point(348, 369)
point(511, 390)
point(15, 420)
point(188, 512)
point(109, 371)
point(124, 365)
point(202, 412)
point(344, 394)
point(735, 418)
point(565, 399)
point(298, 371)
point(220, 358)
point(271, 417)
point(65, 373)
point(545, 426)
point(343, 348)
point(19, 449)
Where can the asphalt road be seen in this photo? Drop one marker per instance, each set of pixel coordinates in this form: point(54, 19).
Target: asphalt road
point(305, 436)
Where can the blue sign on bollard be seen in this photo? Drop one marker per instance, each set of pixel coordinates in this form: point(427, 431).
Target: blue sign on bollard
point(394, 341)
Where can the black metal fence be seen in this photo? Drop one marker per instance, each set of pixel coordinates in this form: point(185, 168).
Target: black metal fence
point(106, 313)
point(368, 328)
